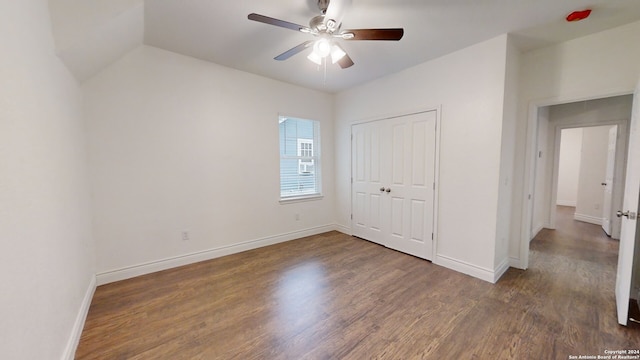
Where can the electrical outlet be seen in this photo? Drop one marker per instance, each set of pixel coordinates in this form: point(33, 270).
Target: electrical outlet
point(297, 216)
point(185, 235)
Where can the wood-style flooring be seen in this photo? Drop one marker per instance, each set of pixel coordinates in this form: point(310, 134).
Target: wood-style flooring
point(332, 296)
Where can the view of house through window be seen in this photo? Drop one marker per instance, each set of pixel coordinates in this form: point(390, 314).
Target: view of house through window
point(299, 157)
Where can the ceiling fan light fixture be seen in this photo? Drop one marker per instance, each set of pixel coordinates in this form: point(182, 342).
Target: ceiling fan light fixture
point(315, 58)
point(322, 47)
point(337, 53)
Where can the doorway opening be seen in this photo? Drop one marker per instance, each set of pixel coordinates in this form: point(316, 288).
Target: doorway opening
point(546, 122)
point(580, 161)
point(586, 169)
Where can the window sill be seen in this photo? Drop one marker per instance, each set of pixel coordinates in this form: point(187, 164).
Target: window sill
point(297, 199)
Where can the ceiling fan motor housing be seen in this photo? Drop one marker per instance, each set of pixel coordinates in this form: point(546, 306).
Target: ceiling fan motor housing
point(317, 23)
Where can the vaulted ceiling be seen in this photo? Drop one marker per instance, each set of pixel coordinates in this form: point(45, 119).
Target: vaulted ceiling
point(90, 35)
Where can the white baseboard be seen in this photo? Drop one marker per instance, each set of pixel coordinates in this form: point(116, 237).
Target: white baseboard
point(516, 263)
point(566, 203)
point(343, 229)
point(181, 260)
point(588, 219)
point(78, 325)
point(500, 270)
point(472, 270)
point(535, 231)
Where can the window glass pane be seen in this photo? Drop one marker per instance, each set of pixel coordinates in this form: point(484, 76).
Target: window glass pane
point(299, 157)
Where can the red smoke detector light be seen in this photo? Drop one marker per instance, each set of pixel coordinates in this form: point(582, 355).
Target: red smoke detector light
point(578, 15)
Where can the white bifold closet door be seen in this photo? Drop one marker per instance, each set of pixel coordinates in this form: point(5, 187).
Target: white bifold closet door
point(393, 182)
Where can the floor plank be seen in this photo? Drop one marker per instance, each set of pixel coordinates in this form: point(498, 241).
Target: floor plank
point(332, 296)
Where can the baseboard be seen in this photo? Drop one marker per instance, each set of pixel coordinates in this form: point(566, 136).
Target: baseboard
point(78, 325)
point(467, 268)
point(588, 219)
point(535, 231)
point(516, 263)
point(500, 270)
point(566, 203)
point(181, 260)
point(343, 229)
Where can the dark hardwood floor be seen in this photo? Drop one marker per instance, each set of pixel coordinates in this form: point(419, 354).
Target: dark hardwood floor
point(332, 296)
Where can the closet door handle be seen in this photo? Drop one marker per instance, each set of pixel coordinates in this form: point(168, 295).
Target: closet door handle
point(382, 188)
point(388, 190)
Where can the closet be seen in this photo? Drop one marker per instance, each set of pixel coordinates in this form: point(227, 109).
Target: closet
point(393, 182)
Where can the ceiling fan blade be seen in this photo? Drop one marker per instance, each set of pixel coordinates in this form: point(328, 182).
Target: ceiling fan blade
point(289, 53)
point(276, 22)
point(373, 34)
point(345, 62)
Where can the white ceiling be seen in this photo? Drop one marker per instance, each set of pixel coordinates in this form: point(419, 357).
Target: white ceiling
point(219, 31)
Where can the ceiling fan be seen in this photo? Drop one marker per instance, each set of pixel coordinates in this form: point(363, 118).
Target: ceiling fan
point(327, 28)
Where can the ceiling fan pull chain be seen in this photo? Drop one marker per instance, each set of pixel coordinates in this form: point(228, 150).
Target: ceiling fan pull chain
point(325, 71)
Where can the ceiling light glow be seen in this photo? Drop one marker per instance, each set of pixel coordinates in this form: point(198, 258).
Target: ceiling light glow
point(315, 58)
point(322, 48)
point(337, 53)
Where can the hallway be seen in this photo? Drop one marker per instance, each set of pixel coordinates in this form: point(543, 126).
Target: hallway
point(577, 241)
point(581, 259)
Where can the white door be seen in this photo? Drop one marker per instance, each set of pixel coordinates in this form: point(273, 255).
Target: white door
point(412, 181)
point(393, 171)
point(629, 220)
point(608, 181)
point(366, 178)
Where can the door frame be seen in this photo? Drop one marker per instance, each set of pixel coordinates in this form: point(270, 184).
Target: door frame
point(531, 144)
point(609, 181)
point(436, 190)
point(619, 166)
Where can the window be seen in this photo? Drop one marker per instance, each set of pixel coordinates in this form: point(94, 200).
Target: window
point(299, 158)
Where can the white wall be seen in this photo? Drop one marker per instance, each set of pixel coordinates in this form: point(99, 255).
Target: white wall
point(593, 167)
point(569, 171)
point(470, 150)
point(510, 118)
point(182, 144)
point(598, 65)
point(46, 250)
point(543, 168)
